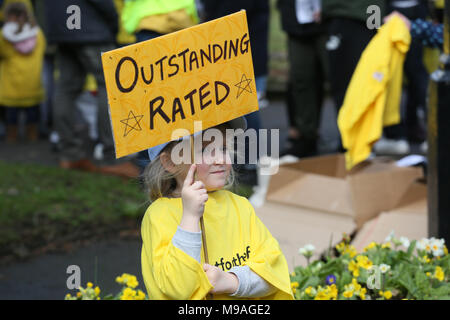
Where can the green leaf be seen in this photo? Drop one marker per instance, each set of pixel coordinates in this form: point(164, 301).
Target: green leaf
point(313, 281)
point(411, 247)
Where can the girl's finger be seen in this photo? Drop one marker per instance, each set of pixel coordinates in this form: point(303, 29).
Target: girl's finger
point(189, 180)
point(204, 197)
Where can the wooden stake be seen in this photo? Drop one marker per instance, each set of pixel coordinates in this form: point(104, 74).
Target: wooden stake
point(209, 296)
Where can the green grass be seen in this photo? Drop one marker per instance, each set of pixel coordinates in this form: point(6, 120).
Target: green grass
point(42, 205)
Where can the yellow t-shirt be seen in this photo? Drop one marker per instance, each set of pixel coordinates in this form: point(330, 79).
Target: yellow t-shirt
point(235, 236)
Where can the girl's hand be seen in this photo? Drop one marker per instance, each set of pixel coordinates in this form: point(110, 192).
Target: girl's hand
point(223, 282)
point(194, 197)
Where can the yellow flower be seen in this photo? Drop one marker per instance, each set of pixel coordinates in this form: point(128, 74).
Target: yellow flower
point(386, 294)
point(294, 284)
point(356, 285)
point(332, 291)
point(119, 280)
point(78, 294)
point(309, 291)
point(128, 294)
point(132, 282)
point(439, 274)
point(340, 246)
point(322, 295)
point(90, 285)
point(363, 262)
point(370, 246)
point(97, 291)
point(68, 296)
point(353, 267)
point(362, 293)
point(386, 245)
point(140, 295)
point(428, 274)
point(348, 293)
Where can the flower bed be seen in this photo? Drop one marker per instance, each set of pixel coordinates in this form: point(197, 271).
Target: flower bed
point(128, 292)
point(395, 269)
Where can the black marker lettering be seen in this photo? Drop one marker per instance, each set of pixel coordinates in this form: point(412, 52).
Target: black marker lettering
point(136, 74)
point(216, 87)
point(173, 65)
point(158, 109)
point(202, 96)
point(176, 110)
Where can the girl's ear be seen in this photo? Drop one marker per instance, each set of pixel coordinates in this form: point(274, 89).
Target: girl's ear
point(166, 162)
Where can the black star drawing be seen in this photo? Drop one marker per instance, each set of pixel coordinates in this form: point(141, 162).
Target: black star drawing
point(244, 85)
point(134, 126)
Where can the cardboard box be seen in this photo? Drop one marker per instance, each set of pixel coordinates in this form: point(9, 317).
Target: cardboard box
point(294, 227)
point(409, 220)
point(323, 184)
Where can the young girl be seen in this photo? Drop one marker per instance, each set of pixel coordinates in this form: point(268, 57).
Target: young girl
point(245, 261)
point(22, 47)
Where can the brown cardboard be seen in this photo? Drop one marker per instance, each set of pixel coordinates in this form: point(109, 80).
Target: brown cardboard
point(322, 184)
point(294, 227)
point(409, 220)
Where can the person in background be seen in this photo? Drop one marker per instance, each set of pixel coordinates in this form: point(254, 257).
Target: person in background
point(308, 71)
point(48, 71)
point(22, 46)
point(398, 138)
point(348, 36)
point(78, 52)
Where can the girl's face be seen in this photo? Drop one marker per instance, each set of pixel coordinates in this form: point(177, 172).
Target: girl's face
point(215, 165)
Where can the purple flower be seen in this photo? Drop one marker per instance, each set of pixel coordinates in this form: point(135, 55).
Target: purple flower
point(331, 279)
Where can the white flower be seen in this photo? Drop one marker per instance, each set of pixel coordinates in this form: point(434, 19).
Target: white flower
point(384, 268)
point(422, 244)
point(405, 242)
point(437, 247)
point(390, 237)
point(307, 250)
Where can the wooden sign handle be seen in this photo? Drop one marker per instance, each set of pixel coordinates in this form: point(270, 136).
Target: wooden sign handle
point(209, 296)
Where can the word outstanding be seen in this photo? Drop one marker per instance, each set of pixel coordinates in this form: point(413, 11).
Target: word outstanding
point(183, 61)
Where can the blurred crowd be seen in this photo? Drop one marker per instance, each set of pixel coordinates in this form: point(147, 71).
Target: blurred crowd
point(50, 54)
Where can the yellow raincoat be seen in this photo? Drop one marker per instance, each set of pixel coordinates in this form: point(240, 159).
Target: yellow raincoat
point(372, 100)
point(20, 74)
point(234, 236)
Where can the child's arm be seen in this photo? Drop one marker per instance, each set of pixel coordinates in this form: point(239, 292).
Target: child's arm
point(250, 285)
point(191, 244)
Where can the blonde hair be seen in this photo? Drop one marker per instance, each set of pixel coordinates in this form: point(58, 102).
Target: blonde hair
point(161, 183)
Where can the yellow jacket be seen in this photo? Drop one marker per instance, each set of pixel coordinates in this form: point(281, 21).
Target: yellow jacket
point(20, 74)
point(373, 97)
point(231, 228)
